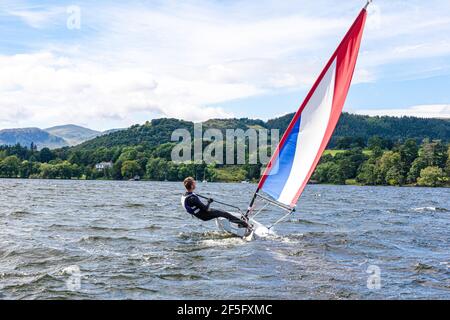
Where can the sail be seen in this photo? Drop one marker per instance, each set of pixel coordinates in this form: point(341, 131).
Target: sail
point(309, 132)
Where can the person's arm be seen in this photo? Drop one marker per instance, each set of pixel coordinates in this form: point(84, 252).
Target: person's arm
point(195, 201)
point(209, 203)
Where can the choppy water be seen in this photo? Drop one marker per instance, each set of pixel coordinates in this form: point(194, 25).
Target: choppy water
point(132, 240)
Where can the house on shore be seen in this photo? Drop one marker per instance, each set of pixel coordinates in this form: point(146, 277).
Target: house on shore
point(103, 166)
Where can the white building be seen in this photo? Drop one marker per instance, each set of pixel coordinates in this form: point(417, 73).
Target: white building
point(103, 166)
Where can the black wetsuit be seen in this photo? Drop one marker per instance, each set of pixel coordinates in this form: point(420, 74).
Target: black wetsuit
point(197, 208)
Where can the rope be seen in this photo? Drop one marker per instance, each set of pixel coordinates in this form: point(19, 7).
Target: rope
point(260, 210)
point(281, 219)
point(219, 202)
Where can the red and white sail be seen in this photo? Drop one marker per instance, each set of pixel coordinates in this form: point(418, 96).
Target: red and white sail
point(309, 132)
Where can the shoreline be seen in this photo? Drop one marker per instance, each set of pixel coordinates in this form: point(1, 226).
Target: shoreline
point(232, 182)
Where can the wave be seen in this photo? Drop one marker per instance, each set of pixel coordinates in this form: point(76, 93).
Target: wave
point(36, 280)
point(426, 268)
point(102, 205)
point(90, 239)
point(180, 276)
point(134, 205)
point(326, 234)
point(105, 228)
point(393, 210)
point(429, 209)
point(101, 228)
point(40, 253)
point(150, 227)
point(19, 213)
point(422, 266)
point(283, 257)
point(431, 284)
point(211, 239)
point(308, 222)
point(223, 242)
point(208, 235)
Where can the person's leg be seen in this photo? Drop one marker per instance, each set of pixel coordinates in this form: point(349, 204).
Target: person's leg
point(205, 216)
point(223, 214)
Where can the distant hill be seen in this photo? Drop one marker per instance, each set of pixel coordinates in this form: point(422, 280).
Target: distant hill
point(25, 136)
point(159, 131)
point(392, 128)
point(233, 123)
point(73, 134)
point(53, 138)
point(153, 133)
point(112, 130)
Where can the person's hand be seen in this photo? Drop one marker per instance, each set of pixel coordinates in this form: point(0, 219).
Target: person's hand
point(210, 200)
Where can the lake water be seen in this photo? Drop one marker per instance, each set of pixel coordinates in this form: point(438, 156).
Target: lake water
point(132, 240)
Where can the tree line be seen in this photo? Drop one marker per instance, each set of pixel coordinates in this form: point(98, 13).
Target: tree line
point(361, 127)
point(386, 163)
point(380, 161)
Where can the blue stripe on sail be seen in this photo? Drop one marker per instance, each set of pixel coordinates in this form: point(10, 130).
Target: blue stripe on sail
point(276, 180)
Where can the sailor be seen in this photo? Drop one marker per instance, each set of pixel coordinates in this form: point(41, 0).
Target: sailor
point(197, 208)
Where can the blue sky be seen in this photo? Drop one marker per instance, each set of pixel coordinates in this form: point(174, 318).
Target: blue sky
point(107, 64)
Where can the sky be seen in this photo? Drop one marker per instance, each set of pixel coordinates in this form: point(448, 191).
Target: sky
point(110, 64)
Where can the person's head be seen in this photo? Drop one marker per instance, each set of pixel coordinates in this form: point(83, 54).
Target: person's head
point(189, 184)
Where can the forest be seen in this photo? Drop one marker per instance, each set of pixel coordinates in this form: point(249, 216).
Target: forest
point(364, 150)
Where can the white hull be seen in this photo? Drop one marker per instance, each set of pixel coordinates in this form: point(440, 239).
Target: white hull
point(259, 230)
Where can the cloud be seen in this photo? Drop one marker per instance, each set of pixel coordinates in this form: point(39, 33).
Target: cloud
point(173, 61)
point(46, 89)
point(38, 18)
point(406, 33)
point(129, 61)
point(421, 111)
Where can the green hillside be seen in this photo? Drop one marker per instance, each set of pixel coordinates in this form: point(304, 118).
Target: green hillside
point(351, 127)
point(153, 133)
point(392, 128)
point(364, 150)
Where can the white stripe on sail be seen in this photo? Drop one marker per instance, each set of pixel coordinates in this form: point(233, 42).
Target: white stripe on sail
point(313, 125)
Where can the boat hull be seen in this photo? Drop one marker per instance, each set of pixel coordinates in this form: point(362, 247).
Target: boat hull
point(259, 230)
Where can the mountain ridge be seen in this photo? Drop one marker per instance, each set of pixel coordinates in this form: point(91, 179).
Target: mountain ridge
point(52, 137)
point(350, 126)
point(26, 136)
point(158, 131)
point(73, 134)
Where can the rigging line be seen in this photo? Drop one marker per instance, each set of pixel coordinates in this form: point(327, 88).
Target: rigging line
point(281, 219)
point(275, 203)
point(260, 210)
point(219, 202)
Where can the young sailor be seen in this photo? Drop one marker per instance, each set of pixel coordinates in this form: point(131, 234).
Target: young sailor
point(197, 208)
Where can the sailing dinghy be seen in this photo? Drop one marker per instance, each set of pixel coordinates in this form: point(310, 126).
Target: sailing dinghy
point(306, 137)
